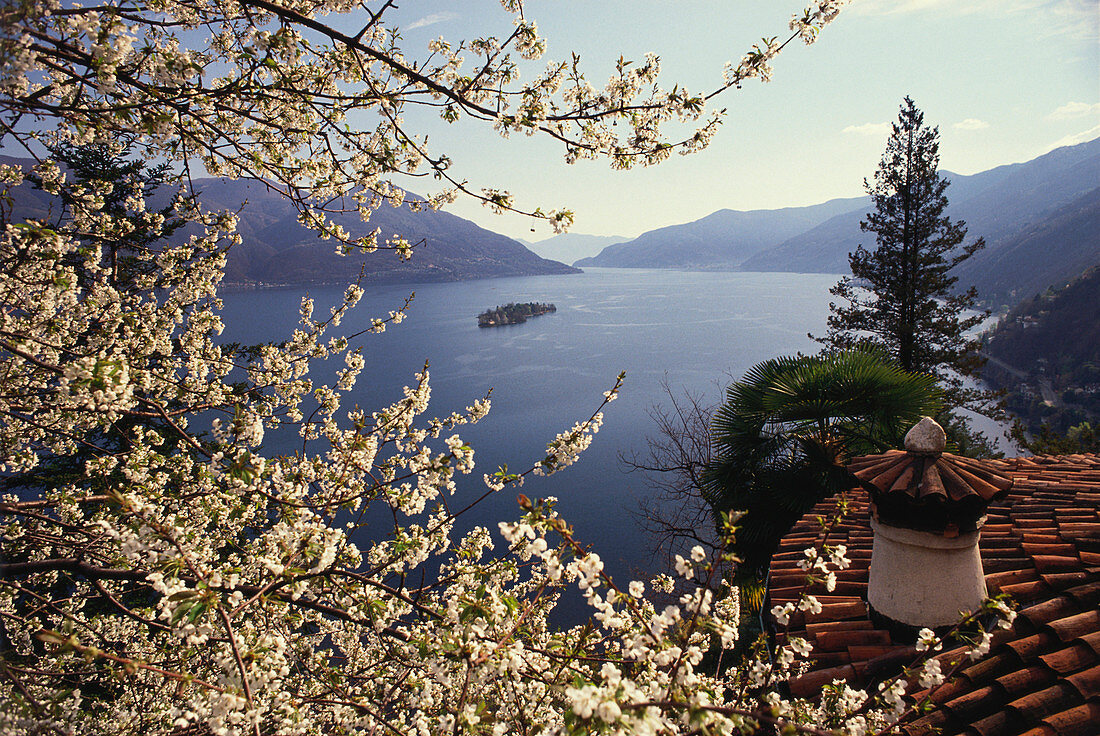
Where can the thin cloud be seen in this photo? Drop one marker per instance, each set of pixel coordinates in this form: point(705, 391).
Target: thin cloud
point(1077, 18)
point(971, 124)
point(1053, 18)
point(1072, 110)
point(1072, 140)
point(1075, 15)
point(895, 7)
point(430, 20)
point(868, 129)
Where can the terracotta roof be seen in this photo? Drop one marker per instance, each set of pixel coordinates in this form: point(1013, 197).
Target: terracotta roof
point(1040, 544)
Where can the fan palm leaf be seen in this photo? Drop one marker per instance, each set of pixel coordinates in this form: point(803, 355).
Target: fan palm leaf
point(788, 426)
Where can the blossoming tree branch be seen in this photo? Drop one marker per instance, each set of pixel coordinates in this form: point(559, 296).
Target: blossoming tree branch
point(161, 574)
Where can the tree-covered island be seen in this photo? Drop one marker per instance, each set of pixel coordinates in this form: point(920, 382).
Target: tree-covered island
point(513, 314)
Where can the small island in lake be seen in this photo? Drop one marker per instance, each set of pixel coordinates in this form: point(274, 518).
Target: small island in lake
point(513, 314)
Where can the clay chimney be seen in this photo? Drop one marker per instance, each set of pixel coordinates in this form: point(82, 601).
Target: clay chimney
point(927, 510)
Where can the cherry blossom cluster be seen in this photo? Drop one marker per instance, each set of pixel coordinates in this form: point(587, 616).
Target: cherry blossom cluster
point(293, 94)
point(163, 571)
point(973, 633)
point(855, 711)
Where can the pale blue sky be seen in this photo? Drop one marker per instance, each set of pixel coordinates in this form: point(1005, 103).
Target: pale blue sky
point(1005, 81)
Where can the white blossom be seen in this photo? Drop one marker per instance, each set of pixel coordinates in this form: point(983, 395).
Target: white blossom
point(927, 640)
point(931, 675)
point(182, 576)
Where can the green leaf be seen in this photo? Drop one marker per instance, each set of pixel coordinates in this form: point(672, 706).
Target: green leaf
point(181, 611)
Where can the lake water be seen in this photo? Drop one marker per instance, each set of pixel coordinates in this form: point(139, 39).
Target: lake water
point(698, 329)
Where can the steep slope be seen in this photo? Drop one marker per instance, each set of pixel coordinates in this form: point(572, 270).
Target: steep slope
point(721, 240)
point(1050, 252)
point(1062, 327)
point(996, 204)
point(1045, 354)
point(275, 248)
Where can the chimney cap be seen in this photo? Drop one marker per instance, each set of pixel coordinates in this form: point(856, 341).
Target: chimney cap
point(928, 489)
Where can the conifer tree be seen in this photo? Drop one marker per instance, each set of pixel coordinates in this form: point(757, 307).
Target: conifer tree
point(126, 187)
point(901, 295)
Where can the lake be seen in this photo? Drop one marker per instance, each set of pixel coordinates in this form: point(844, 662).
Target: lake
point(697, 329)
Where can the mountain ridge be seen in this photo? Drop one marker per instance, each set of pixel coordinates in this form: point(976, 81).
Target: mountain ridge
point(722, 239)
point(997, 204)
point(1044, 202)
point(276, 249)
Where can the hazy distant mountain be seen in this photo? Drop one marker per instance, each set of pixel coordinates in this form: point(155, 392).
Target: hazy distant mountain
point(570, 247)
point(821, 249)
point(274, 248)
point(999, 205)
point(722, 240)
point(1039, 220)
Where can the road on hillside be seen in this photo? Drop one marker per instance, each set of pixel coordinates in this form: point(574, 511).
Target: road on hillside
point(1046, 388)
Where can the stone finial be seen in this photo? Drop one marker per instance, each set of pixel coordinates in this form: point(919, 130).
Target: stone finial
point(926, 438)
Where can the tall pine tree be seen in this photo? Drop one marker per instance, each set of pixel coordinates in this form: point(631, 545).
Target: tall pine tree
point(901, 296)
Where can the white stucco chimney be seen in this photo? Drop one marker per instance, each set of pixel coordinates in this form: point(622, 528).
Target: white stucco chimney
point(924, 579)
point(927, 509)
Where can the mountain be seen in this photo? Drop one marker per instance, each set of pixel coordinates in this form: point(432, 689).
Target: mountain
point(569, 247)
point(821, 249)
point(999, 205)
point(1045, 354)
point(1059, 328)
point(276, 249)
point(1048, 253)
point(1038, 218)
point(721, 240)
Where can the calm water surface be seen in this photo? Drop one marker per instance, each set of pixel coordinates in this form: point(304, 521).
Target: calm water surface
point(697, 329)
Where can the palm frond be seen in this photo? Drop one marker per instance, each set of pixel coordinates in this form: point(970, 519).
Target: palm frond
point(788, 426)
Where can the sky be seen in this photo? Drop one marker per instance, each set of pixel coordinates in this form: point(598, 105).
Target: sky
point(1004, 80)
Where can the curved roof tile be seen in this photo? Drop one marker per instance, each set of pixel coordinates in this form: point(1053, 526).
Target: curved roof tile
point(920, 476)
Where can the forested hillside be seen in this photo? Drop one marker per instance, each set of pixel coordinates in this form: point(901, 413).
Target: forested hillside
point(1046, 354)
